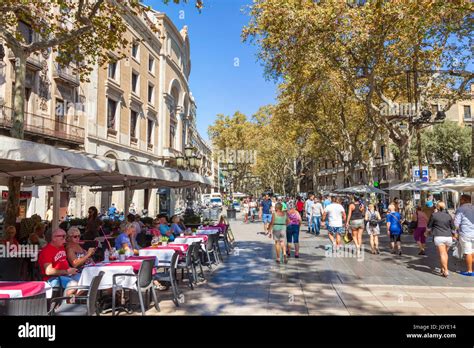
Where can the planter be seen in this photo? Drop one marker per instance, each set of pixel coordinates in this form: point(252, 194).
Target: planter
point(122, 257)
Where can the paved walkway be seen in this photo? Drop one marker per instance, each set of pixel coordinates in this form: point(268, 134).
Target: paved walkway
point(249, 282)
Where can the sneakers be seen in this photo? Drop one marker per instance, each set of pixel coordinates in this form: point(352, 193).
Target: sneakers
point(467, 274)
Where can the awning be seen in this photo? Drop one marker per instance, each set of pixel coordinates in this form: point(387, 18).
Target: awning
point(457, 184)
point(419, 186)
point(23, 158)
point(361, 189)
point(190, 179)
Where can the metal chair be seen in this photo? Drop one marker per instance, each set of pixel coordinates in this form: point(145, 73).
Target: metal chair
point(32, 305)
point(187, 265)
point(144, 282)
point(78, 308)
point(169, 275)
point(196, 258)
point(212, 250)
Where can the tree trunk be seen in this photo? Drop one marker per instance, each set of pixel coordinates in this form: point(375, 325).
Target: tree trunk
point(16, 132)
point(404, 173)
point(13, 201)
point(471, 163)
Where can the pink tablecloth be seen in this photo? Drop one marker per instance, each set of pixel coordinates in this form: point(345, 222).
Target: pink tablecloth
point(180, 248)
point(23, 289)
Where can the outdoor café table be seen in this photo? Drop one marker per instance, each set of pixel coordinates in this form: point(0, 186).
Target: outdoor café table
point(10, 289)
point(162, 254)
point(211, 228)
point(110, 268)
point(192, 239)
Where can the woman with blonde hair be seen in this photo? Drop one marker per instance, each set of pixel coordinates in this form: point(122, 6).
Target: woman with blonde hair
point(441, 225)
point(76, 255)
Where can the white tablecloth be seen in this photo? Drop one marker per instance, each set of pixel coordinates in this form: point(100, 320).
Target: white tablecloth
point(90, 272)
point(18, 292)
point(189, 241)
point(208, 231)
point(163, 256)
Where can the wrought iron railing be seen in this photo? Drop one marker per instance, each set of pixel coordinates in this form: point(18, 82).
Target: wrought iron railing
point(44, 126)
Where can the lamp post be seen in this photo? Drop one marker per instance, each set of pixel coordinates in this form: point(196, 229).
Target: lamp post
point(456, 158)
point(190, 161)
point(378, 164)
point(229, 170)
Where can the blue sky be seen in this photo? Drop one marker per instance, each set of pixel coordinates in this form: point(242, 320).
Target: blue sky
point(218, 86)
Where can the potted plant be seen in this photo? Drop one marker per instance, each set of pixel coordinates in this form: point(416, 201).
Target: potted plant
point(164, 240)
point(122, 255)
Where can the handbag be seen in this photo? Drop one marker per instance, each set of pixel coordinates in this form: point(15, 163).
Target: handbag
point(347, 238)
point(457, 250)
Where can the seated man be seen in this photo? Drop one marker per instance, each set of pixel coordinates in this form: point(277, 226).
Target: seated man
point(54, 265)
point(165, 230)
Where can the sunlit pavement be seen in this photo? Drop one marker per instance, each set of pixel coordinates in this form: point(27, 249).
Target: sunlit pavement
point(249, 282)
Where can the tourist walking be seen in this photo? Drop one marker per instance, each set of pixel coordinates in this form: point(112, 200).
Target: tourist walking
point(293, 231)
point(442, 226)
point(266, 213)
point(246, 211)
point(253, 208)
point(277, 228)
point(307, 207)
point(112, 212)
point(317, 212)
point(300, 206)
point(464, 222)
point(419, 232)
point(394, 229)
point(336, 216)
point(372, 218)
point(355, 220)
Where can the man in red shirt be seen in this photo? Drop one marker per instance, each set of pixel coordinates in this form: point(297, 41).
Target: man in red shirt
point(54, 265)
point(300, 206)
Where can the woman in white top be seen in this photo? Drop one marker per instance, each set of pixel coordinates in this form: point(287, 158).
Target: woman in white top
point(372, 217)
point(246, 210)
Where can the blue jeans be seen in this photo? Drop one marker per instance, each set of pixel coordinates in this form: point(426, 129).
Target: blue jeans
point(292, 233)
point(310, 225)
point(63, 281)
point(316, 224)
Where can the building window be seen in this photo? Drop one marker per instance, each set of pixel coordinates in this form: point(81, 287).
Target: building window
point(135, 47)
point(149, 132)
point(133, 123)
point(467, 111)
point(172, 135)
point(151, 93)
point(135, 83)
point(111, 111)
point(382, 152)
point(113, 70)
point(26, 31)
point(151, 64)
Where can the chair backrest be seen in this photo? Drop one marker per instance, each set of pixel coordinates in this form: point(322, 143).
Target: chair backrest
point(196, 251)
point(145, 274)
point(210, 242)
point(93, 291)
point(189, 255)
point(173, 265)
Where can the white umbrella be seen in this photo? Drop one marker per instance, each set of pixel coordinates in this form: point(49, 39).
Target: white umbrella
point(419, 186)
point(362, 189)
point(458, 184)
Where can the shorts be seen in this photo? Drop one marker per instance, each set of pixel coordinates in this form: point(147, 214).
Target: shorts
point(467, 244)
point(334, 230)
point(373, 231)
point(63, 281)
point(441, 240)
point(267, 218)
point(292, 233)
point(279, 235)
point(355, 224)
point(395, 237)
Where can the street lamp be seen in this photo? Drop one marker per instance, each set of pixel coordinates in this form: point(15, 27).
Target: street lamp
point(378, 164)
point(191, 162)
point(228, 171)
point(456, 158)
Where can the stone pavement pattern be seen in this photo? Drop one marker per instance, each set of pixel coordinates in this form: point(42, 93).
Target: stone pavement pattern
point(249, 282)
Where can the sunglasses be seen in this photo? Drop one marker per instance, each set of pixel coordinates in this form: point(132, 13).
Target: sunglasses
point(76, 236)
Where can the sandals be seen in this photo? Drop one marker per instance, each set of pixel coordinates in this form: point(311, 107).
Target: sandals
point(277, 261)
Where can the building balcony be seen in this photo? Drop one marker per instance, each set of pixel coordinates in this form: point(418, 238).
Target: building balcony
point(44, 127)
point(33, 61)
point(66, 75)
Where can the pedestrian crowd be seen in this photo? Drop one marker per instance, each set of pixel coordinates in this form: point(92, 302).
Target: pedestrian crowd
point(347, 219)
